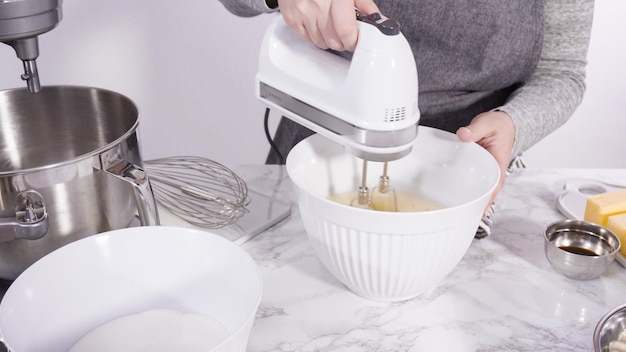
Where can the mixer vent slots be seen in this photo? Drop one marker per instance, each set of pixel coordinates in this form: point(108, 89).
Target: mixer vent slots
point(395, 114)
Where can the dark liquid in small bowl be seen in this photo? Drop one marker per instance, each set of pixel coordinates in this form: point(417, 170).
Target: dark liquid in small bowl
point(579, 250)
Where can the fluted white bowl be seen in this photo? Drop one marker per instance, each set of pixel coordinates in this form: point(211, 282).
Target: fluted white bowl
point(393, 256)
point(87, 283)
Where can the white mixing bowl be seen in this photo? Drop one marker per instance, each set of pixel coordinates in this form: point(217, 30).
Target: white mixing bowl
point(389, 256)
point(95, 280)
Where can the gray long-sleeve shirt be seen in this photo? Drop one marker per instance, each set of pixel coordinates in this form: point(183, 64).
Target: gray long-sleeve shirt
point(555, 89)
point(524, 58)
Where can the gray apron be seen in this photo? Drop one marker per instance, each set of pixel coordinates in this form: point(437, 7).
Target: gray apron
point(470, 56)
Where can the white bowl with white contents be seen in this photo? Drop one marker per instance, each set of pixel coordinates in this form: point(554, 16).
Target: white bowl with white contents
point(393, 256)
point(179, 289)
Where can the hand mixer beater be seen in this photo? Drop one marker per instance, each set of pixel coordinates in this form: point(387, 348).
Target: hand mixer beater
point(383, 197)
point(363, 199)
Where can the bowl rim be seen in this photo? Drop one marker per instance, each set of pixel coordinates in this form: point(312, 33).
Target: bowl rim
point(144, 230)
point(92, 153)
point(588, 228)
point(443, 210)
point(598, 329)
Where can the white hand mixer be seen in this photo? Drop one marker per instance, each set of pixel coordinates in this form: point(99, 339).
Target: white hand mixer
point(365, 100)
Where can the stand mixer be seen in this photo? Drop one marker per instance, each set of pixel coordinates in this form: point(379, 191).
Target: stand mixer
point(21, 22)
point(365, 100)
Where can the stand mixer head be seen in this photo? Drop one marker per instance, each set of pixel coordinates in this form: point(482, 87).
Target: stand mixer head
point(21, 22)
point(366, 100)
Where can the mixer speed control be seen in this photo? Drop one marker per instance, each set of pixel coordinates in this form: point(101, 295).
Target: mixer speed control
point(387, 26)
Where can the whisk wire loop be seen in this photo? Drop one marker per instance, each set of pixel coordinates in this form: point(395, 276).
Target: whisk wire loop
point(201, 191)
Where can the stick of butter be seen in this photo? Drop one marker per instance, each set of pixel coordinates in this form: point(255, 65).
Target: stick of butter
point(600, 206)
point(617, 224)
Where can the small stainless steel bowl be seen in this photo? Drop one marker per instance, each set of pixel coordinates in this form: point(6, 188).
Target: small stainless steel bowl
point(609, 328)
point(580, 250)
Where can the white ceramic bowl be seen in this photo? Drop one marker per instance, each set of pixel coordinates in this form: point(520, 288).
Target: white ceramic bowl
point(390, 256)
point(80, 286)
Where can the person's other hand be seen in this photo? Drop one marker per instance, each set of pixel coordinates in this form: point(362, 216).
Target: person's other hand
point(329, 24)
point(494, 131)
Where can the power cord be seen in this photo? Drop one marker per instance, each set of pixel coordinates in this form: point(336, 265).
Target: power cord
point(269, 137)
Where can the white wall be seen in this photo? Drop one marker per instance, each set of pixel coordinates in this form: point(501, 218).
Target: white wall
point(596, 135)
point(190, 65)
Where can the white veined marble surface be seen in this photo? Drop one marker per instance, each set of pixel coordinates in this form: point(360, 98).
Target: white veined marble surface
point(502, 296)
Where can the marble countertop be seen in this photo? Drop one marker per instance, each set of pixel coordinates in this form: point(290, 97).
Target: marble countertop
point(503, 295)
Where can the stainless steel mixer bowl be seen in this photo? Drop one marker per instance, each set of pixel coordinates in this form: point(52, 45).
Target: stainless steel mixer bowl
point(70, 167)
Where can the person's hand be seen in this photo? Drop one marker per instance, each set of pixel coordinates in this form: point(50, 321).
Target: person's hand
point(329, 24)
point(494, 131)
